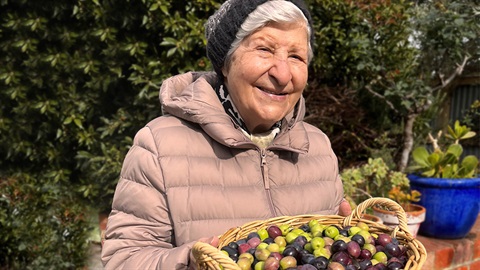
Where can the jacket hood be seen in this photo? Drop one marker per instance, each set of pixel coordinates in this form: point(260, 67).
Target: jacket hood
point(191, 97)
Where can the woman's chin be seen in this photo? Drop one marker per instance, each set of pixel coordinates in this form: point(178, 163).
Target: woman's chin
point(263, 124)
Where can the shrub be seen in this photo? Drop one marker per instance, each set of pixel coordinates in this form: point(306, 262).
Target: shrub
point(376, 179)
point(42, 225)
point(77, 80)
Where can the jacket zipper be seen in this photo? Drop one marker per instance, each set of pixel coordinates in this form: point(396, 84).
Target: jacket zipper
point(266, 182)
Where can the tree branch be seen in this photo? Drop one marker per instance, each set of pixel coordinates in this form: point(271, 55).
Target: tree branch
point(458, 71)
point(381, 97)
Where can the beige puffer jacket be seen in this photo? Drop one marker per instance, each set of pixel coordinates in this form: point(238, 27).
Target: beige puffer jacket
point(192, 173)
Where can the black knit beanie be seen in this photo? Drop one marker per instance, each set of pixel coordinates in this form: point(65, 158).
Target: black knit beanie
point(222, 27)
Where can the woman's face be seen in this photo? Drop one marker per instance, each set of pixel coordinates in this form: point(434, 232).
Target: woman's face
point(267, 74)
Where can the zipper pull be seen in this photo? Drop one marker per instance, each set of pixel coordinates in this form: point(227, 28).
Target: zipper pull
point(266, 183)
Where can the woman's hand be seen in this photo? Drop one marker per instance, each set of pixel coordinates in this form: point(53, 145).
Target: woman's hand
point(210, 240)
point(214, 241)
point(345, 209)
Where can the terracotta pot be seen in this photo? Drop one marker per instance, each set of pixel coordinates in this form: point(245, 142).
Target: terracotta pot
point(372, 218)
point(415, 216)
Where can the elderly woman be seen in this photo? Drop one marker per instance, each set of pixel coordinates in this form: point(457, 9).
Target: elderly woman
point(231, 146)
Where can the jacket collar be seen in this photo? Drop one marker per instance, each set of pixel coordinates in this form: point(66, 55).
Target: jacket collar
point(191, 97)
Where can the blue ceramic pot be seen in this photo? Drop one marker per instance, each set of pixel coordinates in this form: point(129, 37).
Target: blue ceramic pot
point(452, 205)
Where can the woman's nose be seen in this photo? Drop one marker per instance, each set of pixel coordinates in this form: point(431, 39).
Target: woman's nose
point(280, 70)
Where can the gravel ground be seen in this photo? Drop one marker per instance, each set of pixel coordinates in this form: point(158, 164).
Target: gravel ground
point(94, 262)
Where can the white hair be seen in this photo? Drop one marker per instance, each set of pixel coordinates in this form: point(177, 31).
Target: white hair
point(279, 11)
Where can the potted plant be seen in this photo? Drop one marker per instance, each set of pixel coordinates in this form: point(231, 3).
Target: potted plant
point(449, 183)
point(406, 198)
point(376, 179)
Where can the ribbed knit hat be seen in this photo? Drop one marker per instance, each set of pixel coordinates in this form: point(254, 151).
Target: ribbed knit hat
point(222, 27)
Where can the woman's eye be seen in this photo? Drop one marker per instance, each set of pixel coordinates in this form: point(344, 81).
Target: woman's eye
point(264, 49)
point(297, 57)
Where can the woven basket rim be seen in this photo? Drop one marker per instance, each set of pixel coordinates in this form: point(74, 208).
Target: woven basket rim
point(211, 258)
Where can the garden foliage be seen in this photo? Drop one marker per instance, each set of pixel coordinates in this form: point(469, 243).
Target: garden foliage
point(77, 80)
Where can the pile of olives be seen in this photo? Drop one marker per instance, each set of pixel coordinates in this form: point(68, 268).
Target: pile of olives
point(315, 246)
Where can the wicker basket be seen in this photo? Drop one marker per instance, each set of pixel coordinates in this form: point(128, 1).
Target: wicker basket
point(211, 258)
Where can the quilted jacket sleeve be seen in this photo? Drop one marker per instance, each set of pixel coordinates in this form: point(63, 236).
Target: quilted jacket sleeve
point(139, 229)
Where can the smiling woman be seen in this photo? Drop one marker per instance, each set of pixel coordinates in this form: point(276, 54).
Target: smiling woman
point(231, 146)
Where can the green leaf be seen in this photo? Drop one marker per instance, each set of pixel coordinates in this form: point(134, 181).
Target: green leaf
point(78, 122)
point(168, 41)
point(429, 173)
point(420, 156)
point(153, 7)
point(434, 159)
point(171, 52)
point(470, 163)
point(468, 135)
point(455, 149)
point(67, 120)
point(448, 172)
point(164, 9)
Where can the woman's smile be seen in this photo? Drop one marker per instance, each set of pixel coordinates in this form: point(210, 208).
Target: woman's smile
point(272, 93)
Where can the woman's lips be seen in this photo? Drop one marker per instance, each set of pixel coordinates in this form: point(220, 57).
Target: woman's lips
point(271, 92)
point(272, 95)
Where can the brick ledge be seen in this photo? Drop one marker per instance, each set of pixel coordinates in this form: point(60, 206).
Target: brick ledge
point(457, 254)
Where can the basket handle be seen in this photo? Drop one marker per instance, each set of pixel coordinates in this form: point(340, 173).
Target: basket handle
point(390, 204)
point(209, 257)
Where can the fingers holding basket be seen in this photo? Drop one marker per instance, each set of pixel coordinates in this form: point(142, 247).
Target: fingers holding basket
point(213, 241)
point(201, 251)
point(344, 209)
